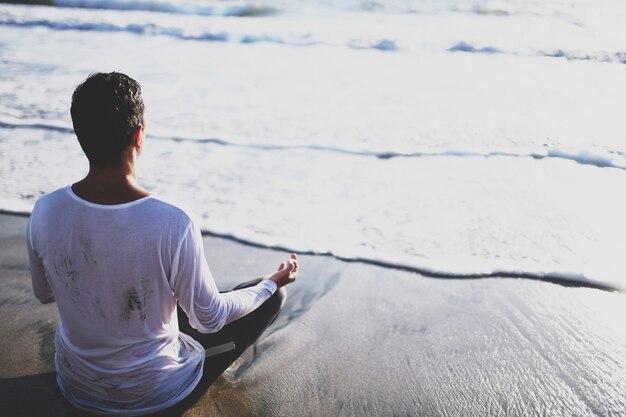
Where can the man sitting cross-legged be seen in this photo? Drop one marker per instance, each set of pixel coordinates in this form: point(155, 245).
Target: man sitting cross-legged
point(118, 260)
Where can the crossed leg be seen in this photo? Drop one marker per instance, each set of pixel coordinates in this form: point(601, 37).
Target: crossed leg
point(226, 345)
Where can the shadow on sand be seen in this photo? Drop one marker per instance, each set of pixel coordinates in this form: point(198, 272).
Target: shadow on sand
point(39, 395)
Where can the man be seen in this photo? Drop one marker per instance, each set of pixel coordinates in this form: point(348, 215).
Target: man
point(118, 259)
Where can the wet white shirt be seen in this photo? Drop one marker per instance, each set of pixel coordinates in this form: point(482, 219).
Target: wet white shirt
point(116, 273)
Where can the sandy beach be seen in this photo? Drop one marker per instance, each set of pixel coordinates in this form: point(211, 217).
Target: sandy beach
point(358, 340)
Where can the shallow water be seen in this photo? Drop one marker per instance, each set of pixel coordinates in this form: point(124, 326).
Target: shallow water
point(457, 137)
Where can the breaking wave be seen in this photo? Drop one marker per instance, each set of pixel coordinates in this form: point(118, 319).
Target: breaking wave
point(198, 29)
point(615, 57)
point(204, 8)
point(186, 33)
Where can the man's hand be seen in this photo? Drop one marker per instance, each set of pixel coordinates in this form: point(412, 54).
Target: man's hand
point(287, 273)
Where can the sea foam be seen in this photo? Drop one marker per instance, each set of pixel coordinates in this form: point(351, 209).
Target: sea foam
point(400, 140)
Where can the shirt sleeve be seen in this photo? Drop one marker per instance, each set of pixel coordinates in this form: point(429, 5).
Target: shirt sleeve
point(196, 291)
point(41, 286)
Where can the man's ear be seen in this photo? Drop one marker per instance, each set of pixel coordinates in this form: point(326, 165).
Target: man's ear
point(138, 137)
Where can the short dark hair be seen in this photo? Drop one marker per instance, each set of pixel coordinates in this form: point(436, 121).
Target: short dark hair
point(106, 110)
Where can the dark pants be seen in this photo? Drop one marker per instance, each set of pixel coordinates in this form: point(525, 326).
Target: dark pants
point(243, 332)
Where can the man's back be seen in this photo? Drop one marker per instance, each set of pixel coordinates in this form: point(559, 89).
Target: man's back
point(109, 268)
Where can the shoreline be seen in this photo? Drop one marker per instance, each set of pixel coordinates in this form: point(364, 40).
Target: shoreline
point(553, 278)
point(357, 339)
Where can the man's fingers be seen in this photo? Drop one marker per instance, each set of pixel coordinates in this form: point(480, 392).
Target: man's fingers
point(293, 260)
point(281, 266)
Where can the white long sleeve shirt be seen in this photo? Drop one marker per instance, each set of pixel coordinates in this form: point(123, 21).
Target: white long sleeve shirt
point(116, 273)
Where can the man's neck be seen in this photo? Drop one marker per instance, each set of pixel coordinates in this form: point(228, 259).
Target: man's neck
point(110, 185)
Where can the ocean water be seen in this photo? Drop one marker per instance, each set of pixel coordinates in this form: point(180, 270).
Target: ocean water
point(458, 138)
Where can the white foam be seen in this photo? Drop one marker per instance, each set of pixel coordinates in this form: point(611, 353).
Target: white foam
point(444, 215)
point(449, 162)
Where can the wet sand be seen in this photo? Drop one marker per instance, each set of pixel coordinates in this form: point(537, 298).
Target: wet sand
point(357, 339)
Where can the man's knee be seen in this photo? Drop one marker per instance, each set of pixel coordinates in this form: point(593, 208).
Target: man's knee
point(248, 284)
point(281, 295)
point(275, 303)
